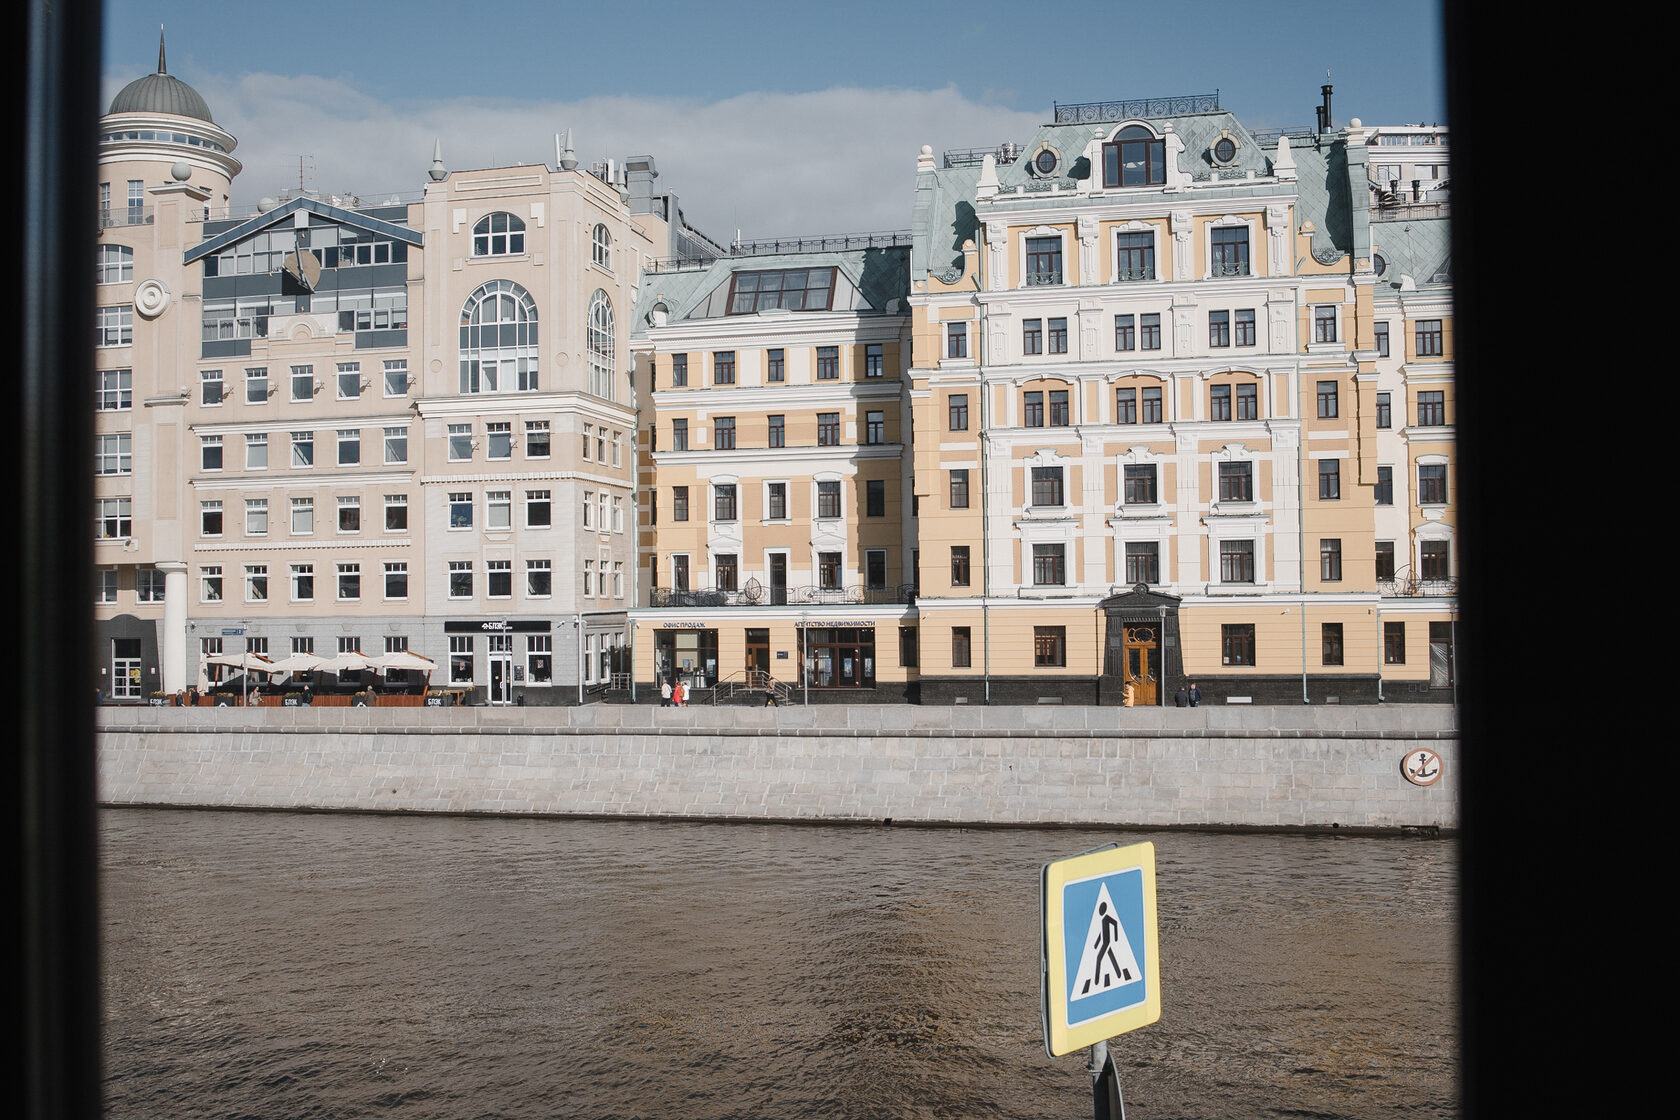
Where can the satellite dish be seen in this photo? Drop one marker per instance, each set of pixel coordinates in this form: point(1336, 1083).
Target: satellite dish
point(301, 265)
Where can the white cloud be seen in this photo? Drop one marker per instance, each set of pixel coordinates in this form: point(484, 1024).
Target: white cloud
point(836, 161)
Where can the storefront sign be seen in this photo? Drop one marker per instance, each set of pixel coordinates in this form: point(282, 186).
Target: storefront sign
point(498, 626)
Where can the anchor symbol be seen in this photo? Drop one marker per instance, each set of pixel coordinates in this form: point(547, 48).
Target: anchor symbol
point(1422, 769)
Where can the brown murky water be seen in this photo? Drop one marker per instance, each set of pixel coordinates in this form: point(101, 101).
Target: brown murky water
point(312, 965)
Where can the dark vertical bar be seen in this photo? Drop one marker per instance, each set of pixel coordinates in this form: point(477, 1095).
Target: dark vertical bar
point(54, 984)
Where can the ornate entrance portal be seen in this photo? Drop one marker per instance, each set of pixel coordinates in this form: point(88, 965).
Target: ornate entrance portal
point(1140, 647)
point(1143, 663)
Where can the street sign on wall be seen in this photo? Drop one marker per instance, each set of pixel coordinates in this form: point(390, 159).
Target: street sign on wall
point(1102, 965)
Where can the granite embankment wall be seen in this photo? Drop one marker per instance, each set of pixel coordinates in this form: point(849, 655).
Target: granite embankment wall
point(1224, 766)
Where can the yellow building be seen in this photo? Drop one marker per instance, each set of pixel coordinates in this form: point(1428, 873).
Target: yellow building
point(1162, 436)
point(778, 526)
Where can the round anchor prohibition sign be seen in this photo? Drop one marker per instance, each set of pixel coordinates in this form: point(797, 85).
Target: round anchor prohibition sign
point(1421, 767)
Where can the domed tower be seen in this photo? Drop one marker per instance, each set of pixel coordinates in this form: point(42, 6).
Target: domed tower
point(159, 133)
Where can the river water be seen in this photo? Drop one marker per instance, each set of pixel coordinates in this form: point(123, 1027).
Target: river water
point(316, 965)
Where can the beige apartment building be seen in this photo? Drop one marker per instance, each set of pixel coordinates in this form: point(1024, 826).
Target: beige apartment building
point(338, 424)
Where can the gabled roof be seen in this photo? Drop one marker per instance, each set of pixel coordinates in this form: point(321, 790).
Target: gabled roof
point(337, 214)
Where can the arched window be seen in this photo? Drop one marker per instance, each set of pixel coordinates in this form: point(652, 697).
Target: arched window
point(498, 235)
point(1136, 157)
point(499, 340)
point(603, 246)
point(602, 347)
point(116, 264)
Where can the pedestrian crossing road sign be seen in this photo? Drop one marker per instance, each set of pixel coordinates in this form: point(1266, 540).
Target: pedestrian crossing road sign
point(1102, 970)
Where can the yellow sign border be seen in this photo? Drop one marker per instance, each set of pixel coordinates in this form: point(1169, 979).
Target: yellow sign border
point(1059, 1037)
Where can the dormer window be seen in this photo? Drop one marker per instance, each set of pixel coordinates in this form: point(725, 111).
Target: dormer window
point(1135, 157)
point(498, 235)
point(794, 289)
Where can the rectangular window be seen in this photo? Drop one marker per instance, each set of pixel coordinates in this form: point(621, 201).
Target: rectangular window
point(498, 510)
point(396, 580)
point(210, 583)
point(1248, 402)
point(962, 643)
point(724, 433)
point(588, 509)
point(536, 439)
point(679, 503)
point(210, 451)
point(256, 451)
point(1032, 336)
point(1236, 561)
point(396, 378)
point(1236, 481)
point(1428, 338)
point(498, 579)
point(105, 589)
point(211, 387)
point(775, 366)
point(539, 578)
point(1219, 402)
point(113, 518)
point(1143, 562)
point(679, 573)
point(875, 568)
point(1047, 486)
point(1385, 415)
point(349, 582)
point(828, 363)
point(1140, 484)
point(777, 431)
point(1150, 406)
point(875, 498)
point(956, 409)
point(1432, 484)
point(679, 371)
point(1149, 331)
point(1125, 406)
point(148, 585)
point(303, 645)
point(1245, 328)
point(256, 517)
point(776, 501)
point(303, 583)
point(1431, 409)
point(1049, 565)
point(1032, 409)
point(796, 289)
point(874, 427)
point(539, 658)
point(1327, 400)
point(116, 390)
point(350, 514)
point(349, 447)
point(460, 443)
point(349, 381)
point(1135, 256)
point(460, 659)
point(396, 445)
point(1058, 336)
point(617, 514)
point(1380, 333)
point(1044, 261)
point(498, 439)
point(114, 326)
point(1434, 560)
point(1385, 560)
point(1236, 644)
point(396, 513)
point(1125, 332)
point(460, 579)
point(588, 442)
point(679, 435)
point(908, 647)
point(828, 499)
point(1330, 642)
point(114, 454)
point(210, 519)
point(956, 340)
point(303, 449)
point(1394, 643)
point(1385, 486)
point(723, 502)
point(303, 384)
point(959, 488)
point(1330, 559)
point(828, 571)
point(1050, 647)
point(1329, 479)
point(959, 565)
point(828, 429)
point(460, 509)
point(1230, 251)
point(1219, 328)
point(1324, 324)
point(1059, 412)
point(874, 360)
point(726, 570)
point(303, 517)
point(539, 511)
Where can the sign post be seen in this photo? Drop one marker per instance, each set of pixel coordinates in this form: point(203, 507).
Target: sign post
point(1101, 957)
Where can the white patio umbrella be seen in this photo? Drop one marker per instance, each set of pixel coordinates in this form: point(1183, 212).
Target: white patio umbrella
point(403, 659)
point(250, 662)
point(297, 663)
point(347, 662)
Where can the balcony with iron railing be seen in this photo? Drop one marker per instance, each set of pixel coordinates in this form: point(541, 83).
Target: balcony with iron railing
point(1043, 277)
point(1407, 584)
point(1093, 112)
point(754, 594)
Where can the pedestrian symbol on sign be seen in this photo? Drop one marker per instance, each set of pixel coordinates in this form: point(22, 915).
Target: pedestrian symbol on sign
point(1108, 958)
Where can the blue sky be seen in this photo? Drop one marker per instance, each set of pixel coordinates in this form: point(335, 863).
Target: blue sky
point(772, 118)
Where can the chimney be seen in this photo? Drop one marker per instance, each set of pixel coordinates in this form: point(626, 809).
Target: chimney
point(1325, 121)
point(639, 174)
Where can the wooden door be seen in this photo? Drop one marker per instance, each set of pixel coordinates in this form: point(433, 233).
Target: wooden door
point(1142, 669)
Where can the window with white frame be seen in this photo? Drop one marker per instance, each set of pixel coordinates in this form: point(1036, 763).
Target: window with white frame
point(349, 381)
point(498, 235)
point(303, 384)
point(148, 585)
point(396, 378)
point(114, 326)
point(113, 518)
point(256, 583)
point(396, 579)
point(602, 345)
point(256, 517)
point(536, 439)
point(460, 509)
point(303, 517)
point(349, 643)
point(460, 579)
point(349, 513)
point(617, 514)
point(303, 449)
point(303, 584)
point(498, 579)
point(601, 246)
point(210, 583)
point(349, 447)
point(396, 446)
point(114, 454)
point(618, 579)
point(539, 658)
point(539, 513)
point(210, 387)
point(539, 578)
point(210, 452)
point(303, 643)
point(210, 518)
point(256, 451)
point(460, 443)
point(116, 390)
point(498, 510)
point(396, 513)
point(498, 439)
point(116, 264)
point(498, 340)
point(105, 587)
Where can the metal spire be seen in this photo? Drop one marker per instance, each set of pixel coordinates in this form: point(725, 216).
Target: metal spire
point(161, 68)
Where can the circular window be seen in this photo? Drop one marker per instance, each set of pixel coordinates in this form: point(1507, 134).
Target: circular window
point(1378, 265)
point(1045, 162)
point(1225, 149)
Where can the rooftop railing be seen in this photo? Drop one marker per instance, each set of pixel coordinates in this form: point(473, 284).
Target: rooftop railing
point(755, 594)
point(1007, 152)
point(831, 243)
point(1091, 112)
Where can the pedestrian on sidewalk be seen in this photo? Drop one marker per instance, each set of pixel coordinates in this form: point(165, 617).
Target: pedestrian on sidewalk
point(665, 692)
point(1195, 695)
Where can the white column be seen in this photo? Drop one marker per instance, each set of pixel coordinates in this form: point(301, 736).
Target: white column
point(173, 640)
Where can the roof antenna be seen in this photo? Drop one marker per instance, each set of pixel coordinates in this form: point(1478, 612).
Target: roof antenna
point(161, 68)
